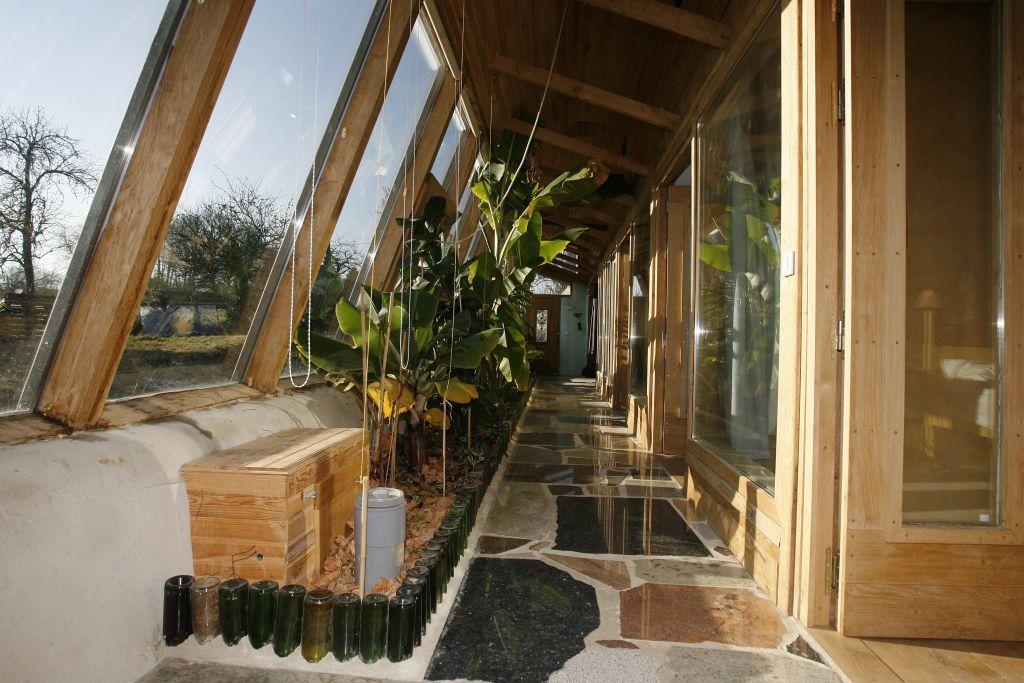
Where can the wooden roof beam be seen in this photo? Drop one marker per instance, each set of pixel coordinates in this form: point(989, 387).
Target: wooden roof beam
point(556, 273)
point(580, 147)
point(585, 92)
point(662, 15)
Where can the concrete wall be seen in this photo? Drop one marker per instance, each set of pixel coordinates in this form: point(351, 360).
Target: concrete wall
point(573, 330)
point(92, 524)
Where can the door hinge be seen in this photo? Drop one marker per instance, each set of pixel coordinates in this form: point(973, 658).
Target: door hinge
point(840, 335)
point(841, 102)
point(831, 571)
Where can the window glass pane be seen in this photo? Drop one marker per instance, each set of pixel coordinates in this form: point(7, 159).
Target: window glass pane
point(377, 174)
point(954, 273)
point(240, 195)
point(70, 69)
point(449, 148)
point(640, 262)
point(736, 335)
point(541, 332)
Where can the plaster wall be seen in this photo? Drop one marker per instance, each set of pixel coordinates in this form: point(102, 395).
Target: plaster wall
point(92, 524)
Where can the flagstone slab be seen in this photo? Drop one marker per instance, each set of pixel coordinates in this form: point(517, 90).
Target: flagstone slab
point(624, 526)
point(514, 620)
point(724, 574)
point(612, 573)
point(706, 665)
point(522, 511)
point(697, 614)
point(493, 545)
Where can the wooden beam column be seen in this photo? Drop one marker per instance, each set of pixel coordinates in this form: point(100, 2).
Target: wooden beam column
point(108, 298)
point(665, 16)
point(656, 301)
point(620, 381)
point(678, 314)
point(274, 340)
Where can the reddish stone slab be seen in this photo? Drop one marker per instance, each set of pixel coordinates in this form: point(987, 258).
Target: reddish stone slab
point(696, 614)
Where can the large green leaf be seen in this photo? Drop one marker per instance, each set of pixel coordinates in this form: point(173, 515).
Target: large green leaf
point(331, 355)
point(716, 256)
point(349, 320)
point(469, 351)
point(568, 188)
point(551, 248)
point(456, 391)
point(525, 248)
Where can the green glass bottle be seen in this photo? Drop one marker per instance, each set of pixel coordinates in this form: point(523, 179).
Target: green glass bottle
point(445, 538)
point(316, 624)
point(436, 581)
point(415, 593)
point(262, 605)
point(234, 610)
point(205, 608)
point(288, 619)
point(430, 590)
point(373, 627)
point(177, 610)
point(435, 546)
point(401, 626)
point(345, 626)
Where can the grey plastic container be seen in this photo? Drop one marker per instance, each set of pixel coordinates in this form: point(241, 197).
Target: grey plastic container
point(385, 548)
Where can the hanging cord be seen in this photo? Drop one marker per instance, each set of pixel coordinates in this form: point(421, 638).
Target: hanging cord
point(312, 199)
point(536, 119)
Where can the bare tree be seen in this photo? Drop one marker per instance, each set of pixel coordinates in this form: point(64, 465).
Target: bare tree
point(222, 243)
point(39, 161)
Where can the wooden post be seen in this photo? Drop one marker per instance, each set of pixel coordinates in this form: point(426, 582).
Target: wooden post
point(656, 350)
point(274, 340)
point(105, 307)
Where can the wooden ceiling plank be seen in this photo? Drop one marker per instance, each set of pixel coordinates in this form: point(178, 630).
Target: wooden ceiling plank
point(662, 15)
point(585, 92)
point(580, 147)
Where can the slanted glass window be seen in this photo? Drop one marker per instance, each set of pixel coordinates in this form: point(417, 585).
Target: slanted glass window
point(444, 162)
point(954, 263)
point(640, 261)
point(736, 330)
point(69, 71)
point(240, 196)
point(376, 177)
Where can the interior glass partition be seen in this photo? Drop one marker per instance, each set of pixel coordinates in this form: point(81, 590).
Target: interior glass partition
point(69, 71)
point(737, 242)
point(240, 196)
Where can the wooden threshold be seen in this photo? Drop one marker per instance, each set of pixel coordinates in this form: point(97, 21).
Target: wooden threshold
point(883, 660)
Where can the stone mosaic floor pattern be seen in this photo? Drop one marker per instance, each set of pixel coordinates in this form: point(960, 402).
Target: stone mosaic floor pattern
point(585, 570)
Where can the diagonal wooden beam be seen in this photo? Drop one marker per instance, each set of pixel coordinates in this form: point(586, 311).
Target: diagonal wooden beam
point(665, 16)
point(107, 301)
point(339, 170)
point(581, 214)
point(581, 147)
point(585, 92)
point(557, 273)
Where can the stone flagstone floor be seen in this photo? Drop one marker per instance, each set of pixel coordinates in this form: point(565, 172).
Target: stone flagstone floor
point(581, 568)
point(585, 570)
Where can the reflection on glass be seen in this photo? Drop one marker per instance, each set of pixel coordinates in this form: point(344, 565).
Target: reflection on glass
point(69, 71)
point(449, 149)
point(736, 335)
point(640, 262)
point(954, 274)
point(239, 198)
point(541, 331)
point(376, 175)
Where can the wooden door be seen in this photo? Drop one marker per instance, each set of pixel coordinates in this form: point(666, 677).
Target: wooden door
point(931, 536)
point(544, 319)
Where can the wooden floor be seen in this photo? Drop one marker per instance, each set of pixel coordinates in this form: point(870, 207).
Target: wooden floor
point(869, 659)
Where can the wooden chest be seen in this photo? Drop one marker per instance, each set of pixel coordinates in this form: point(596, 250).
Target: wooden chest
point(270, 508)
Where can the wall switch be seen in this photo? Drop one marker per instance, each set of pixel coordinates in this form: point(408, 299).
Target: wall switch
point(788, 264)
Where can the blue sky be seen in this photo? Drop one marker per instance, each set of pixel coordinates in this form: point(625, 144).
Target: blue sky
point(81, 61)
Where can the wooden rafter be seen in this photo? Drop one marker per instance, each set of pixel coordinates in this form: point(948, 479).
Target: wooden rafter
point(585, 92)
point(580, 147)
point(557, 273)
point(105, 307)
point(665, 16)
point(274, 340)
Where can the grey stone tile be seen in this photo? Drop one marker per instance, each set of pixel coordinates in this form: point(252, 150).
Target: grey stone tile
point(721, 573)
point(522, 510)
point(707, 665)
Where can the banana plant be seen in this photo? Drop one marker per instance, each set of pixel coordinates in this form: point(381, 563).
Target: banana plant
point(512, 205)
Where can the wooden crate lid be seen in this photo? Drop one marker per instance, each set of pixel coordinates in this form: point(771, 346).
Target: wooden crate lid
point(284, 452)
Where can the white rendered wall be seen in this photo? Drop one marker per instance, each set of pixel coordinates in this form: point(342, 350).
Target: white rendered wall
point(92, 524)
point(572, 345)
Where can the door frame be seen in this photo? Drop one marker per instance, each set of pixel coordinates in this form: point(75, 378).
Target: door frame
point(918, 580)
